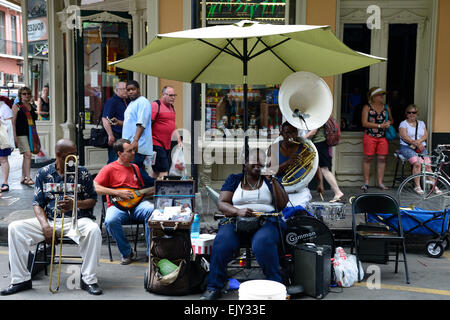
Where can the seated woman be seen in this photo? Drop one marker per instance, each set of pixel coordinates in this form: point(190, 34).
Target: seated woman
point(413, 137)
point(240, 196)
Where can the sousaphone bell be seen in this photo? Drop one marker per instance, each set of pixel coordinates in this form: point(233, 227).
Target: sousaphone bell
point(306, 102)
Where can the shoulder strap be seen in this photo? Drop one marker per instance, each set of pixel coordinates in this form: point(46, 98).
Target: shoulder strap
point(137, 176)
point(417, 127)
point(159, 108)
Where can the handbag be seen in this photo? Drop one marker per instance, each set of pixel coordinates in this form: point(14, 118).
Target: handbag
point(4, 138)
point(247, 225)
point(99, 137)
point(390, 132)
point(417, 150)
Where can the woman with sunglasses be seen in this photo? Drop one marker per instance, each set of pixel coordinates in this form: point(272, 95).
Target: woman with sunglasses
point(413, 137)
point(24, 128)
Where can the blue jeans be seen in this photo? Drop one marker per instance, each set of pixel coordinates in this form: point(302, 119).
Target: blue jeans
point(115, 218)
point(264, 246)
point(139, 161)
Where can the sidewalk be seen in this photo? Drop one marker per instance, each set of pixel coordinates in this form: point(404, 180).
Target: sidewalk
point(127, 282)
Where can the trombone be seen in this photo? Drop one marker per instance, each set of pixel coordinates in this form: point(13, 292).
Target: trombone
point(73, 233)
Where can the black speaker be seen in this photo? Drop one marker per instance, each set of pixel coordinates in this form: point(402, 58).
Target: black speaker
point(313, 269)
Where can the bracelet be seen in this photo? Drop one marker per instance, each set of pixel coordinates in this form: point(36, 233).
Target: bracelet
point(379, 126)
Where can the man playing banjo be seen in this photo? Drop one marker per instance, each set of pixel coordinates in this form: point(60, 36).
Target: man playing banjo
point(113, 181)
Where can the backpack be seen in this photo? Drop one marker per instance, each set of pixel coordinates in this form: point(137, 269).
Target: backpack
point(332, 132)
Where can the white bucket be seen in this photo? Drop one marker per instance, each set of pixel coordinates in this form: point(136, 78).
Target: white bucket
point(262, 290)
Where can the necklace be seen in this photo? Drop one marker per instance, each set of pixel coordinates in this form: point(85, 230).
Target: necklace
point(253, 187)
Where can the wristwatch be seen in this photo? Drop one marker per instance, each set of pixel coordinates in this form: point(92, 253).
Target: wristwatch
point(379, 126)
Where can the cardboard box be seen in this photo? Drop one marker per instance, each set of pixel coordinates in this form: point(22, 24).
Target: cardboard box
point(203, 245)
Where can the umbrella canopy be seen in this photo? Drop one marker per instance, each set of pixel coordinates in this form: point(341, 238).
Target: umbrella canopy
point(246, 52)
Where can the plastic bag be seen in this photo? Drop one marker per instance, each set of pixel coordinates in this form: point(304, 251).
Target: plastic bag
point(178, 167)
point(346, 269)
point(42, 156)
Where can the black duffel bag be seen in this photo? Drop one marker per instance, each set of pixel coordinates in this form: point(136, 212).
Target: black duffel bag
point(99, 137)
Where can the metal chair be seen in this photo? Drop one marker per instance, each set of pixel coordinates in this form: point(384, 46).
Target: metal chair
point(108, 237)
point(399, 158)
point(375, 204)
point(42, 256)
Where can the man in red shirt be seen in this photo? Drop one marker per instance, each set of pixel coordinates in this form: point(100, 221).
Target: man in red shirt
point(122, 173)
point(163, 127)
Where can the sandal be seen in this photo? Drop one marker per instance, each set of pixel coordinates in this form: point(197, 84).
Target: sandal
point(29, 182)
point(5, 188)
point(437, 191)
point(365, 187)
point(23, 181)
point(419, 190)
point(382, 187)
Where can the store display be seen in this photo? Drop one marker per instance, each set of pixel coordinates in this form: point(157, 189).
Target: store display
point(224, 112)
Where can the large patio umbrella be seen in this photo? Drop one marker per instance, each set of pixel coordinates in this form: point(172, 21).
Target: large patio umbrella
point(245, 53)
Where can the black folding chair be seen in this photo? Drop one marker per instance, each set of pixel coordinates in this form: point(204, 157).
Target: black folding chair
point(378, 203)
point(42, 256)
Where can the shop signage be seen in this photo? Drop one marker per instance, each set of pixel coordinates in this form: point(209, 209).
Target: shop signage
point(37, 29)
point(244, 9)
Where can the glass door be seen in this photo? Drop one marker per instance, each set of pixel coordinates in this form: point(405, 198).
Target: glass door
point(99, 44)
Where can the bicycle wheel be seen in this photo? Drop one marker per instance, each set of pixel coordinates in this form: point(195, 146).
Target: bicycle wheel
point(407, 196)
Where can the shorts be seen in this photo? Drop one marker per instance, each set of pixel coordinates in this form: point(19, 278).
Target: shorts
point(373, 145)
point(163, 159)
point(5, 152)
point(23, 144)
point(413, 156)
point(323, 150)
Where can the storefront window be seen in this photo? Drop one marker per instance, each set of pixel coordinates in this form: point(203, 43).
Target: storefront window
point(225, 112)
point(224, 109)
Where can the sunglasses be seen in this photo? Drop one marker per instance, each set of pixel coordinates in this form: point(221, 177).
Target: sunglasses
point(411, 112)
point(26, 93)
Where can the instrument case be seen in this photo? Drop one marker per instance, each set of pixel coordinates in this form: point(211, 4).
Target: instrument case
point(312, 269)
point(170, 192)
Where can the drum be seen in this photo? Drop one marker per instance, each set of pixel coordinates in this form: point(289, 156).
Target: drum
point(306, 229)
point(326, 210)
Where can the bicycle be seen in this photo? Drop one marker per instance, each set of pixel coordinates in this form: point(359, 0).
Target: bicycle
point(434, 196)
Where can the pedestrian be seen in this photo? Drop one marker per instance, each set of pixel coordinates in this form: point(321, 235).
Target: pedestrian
point(43, 104)
point(25, 133)
point(163, 126)
point(317, 137)
point(6, 116)
point(375, 121)
point(113, 115)
point(137, 127)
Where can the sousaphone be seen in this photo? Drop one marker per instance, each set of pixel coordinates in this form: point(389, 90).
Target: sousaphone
point(306, 103)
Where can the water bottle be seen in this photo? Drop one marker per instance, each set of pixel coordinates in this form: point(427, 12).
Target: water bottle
point(195, 227)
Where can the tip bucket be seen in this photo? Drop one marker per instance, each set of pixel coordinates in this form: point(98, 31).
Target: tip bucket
point(262, 290)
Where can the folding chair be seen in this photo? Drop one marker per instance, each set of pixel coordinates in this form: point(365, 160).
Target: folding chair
point(42, 256)
point(108, 237)
point(376, 204)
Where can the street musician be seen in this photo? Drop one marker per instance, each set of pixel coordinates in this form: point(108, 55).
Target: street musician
point(243, 196)
point(23, 234)
point(285, 158)
point(119, 180)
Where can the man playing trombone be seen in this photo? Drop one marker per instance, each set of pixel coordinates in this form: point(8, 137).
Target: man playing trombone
point(22, 234)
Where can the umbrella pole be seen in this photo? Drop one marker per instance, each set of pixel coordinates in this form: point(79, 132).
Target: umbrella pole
point(245, 65)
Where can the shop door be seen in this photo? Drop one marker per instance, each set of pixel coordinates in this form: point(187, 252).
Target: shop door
point(404, 76)
point(99, 44)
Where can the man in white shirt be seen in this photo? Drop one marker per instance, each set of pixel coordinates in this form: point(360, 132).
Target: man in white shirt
point(137, 127)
